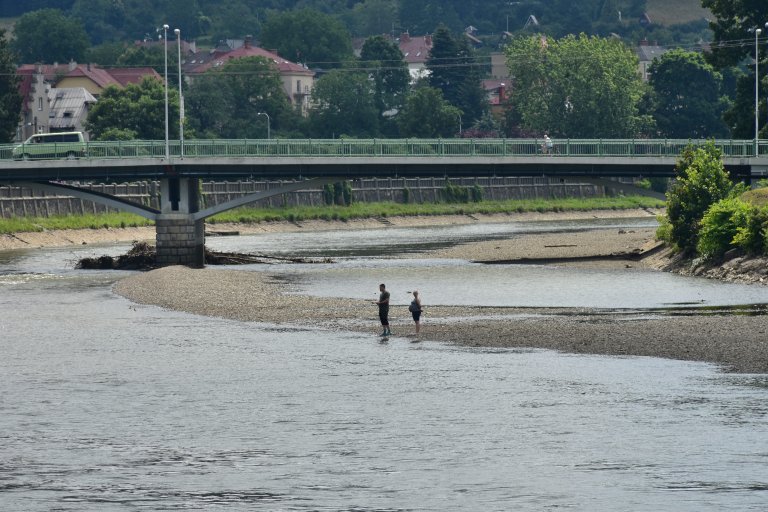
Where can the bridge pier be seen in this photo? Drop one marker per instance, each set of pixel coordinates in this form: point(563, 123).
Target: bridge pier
point(179, 237)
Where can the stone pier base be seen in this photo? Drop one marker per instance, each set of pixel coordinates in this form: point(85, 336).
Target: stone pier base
point(180, 240)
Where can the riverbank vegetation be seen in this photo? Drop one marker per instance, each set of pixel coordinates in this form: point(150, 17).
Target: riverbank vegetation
point(341, 213)
point(391, 209)
point(708, 216)
point(87, 221)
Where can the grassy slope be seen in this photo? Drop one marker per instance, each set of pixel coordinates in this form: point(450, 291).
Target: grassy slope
point(357, 210)
point(675, 12)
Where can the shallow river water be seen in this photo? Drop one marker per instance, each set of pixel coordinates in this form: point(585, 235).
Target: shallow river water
point(107, 405)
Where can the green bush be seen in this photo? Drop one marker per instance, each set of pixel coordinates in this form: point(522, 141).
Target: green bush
point(720, 225)
point(753, 237)
point(701, 181)
point(664, 231)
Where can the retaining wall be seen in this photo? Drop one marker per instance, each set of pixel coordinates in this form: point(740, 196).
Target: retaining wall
point(25, 202)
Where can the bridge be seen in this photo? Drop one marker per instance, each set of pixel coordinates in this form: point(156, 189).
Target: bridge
point(180, 220)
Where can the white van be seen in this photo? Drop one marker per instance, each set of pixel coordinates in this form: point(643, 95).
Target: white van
point(51, 145)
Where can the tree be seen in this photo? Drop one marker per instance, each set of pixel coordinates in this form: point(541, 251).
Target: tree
point(10, 99)
point(453, 69)
point(103, 20)
point(15, 8)
point(389, 71)
point(733, 22)
point(688, 96)
point(577, 86)
point(426, 114)
point(344, 105)
point(421, 16)
point(138, 109)
point(229, 102)
point(308, 36)
point(234, 18)
point(701, 181)
point(49, 36)
point(372, 17)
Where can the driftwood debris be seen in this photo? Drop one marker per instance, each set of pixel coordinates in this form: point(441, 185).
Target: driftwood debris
point(142, 256)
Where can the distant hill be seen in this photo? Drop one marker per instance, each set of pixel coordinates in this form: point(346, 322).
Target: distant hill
point(676, 12)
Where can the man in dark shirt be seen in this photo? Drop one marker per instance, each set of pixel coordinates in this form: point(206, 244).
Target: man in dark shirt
point(383, 304)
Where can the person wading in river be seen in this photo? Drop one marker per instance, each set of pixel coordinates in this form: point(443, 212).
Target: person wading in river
point(383, 304)
point(415, 309)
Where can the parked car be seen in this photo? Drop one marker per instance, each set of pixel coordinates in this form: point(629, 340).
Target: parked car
point(51, 145)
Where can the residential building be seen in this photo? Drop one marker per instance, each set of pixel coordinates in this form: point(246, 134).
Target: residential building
point(35, 109)
point(45, 110)
point(416, 52)
point(95, 79)
point(496, 91)
point(297, 79)
point(646, 53)
point(68, 109)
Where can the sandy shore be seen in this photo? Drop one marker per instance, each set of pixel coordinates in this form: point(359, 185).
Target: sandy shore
point(737, 342)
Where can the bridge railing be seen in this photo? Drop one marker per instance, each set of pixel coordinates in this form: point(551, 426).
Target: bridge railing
point(196, 148)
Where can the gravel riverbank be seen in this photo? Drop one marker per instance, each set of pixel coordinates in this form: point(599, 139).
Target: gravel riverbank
point(737, 342)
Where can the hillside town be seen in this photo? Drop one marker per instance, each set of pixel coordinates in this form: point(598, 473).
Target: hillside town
point(438, 81)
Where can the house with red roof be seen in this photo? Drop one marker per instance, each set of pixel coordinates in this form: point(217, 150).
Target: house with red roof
point(38, 81)
point(298, 80)
point(416, 52)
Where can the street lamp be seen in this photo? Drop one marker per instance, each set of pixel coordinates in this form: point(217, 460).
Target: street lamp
point(757, 82)
point(181, 97)
point(766, 29)
point(268, 122)
point(165, 54)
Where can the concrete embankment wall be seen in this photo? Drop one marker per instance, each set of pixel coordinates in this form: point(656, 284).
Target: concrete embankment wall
point(22, 201)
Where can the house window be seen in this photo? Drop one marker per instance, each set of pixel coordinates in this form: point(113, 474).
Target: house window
point(298, 86)
point(40, 103)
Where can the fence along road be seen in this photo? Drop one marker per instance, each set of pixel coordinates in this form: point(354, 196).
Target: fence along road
point(355, 158)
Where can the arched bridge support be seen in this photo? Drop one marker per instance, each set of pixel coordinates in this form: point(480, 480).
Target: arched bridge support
point(180, 223)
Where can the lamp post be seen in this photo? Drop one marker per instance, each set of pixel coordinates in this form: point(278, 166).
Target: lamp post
point(757, 82)
point(459, 124)
point(165, 54)
point(268, 123)
point(181, 97)
point(766, 29)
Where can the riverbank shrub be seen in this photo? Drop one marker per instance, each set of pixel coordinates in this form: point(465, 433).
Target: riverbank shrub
point(753, 237)
point(701, 181)
point(734, 223)
point(720, 225)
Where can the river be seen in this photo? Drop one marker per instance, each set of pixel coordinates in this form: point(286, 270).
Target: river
point(107, 405)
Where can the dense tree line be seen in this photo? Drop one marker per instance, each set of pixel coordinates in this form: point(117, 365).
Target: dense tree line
point(109, 20)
